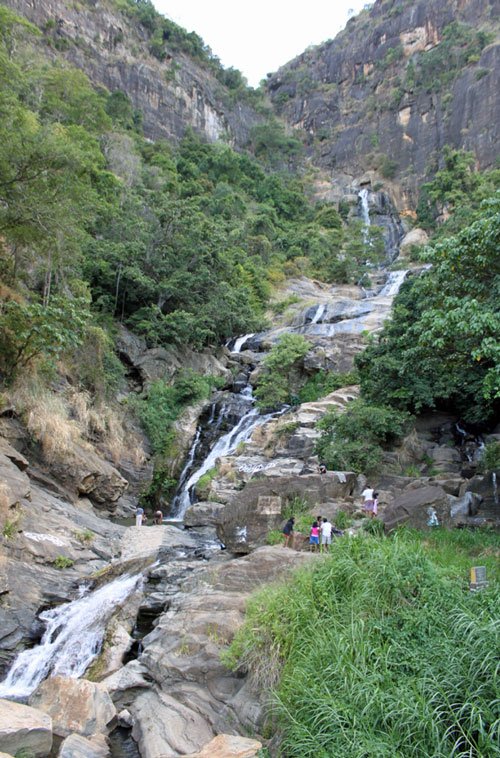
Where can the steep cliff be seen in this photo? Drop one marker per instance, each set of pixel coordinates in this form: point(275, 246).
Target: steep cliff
point(114, 50)
point(379, 102)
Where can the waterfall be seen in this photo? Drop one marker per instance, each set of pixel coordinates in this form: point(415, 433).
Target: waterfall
point(225, 445)
point(240, 341)
point(365, 211)
point(393, 283)
point(72, 639)
point(319, 313)
point(495, 486)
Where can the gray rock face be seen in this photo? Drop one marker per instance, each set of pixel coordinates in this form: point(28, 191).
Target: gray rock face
point(113, 51)
point(353, 74)
point(22, 727)
point(191, 695)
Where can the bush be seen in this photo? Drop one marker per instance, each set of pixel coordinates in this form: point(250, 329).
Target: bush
point(62, 562)
point(275, 385)
point(490, 458)
point(353, 440)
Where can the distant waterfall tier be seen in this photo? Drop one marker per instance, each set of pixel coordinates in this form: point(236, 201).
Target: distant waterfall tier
point(393, 283)
point(365, 211)
point(72, 639)
point(225, 444)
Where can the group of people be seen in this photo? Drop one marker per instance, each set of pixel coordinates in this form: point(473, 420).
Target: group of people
point(322, 529)
point(321, 533)
point(370, 502)
point(141, 519)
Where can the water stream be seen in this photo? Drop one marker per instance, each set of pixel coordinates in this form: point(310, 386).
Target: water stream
point(72, 639)
point(393, 283)
point(225, 445)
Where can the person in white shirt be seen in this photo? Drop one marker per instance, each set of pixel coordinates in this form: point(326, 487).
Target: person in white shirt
point(367, 496)
point(326, 535)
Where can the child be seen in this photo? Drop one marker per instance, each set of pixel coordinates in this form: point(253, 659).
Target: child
point(314, 538)
point(288, 531)
point(374, 510)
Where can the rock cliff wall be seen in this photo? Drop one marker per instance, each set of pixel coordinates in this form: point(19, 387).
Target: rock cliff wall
point(379, 102)
point(113, 51)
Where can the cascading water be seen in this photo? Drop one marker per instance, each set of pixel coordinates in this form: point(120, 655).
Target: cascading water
point(393, 283)
point(240, 341)
point(225, 445)
point(71, 641)
point(365, 211)
point(319, 313)
point(495, 486)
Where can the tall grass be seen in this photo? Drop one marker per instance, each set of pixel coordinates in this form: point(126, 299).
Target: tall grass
point(380, 650)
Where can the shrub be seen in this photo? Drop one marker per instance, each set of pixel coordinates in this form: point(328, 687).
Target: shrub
point(490, 458)
point(274, 537)
point(353, 440)
point(62, 562)
point(275, 385)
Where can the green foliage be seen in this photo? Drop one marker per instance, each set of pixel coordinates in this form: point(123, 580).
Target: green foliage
point(408, 671)
point(84, 537)
point(11, 527)
point(295, 506)
point(274, 146)
point(275, 386)
point(490, 457)
point(62, 562)
point(323, 382)
point(441, 347)
point(353, 439)
point(342, 520)
point(274, 537)
point(204, 482)
point(162, 404)
point(32, 331)
point(460, 45)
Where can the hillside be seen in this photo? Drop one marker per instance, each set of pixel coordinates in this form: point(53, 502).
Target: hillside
point(379, 102)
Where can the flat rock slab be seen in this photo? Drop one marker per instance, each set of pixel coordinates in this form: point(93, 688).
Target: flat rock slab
point(229, 746)
point(139, 541)
point(24, 727)
point(75, 705)
point(76, 746)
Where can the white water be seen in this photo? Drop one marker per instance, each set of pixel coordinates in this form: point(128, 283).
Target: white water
point(393, 283)
point(319, 313)
point(71, 641)
point(365, 211)
point(240, 342)
point(225, 445)
point(495, 486)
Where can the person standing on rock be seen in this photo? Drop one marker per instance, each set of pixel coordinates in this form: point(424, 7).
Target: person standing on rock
point(157, 518)
point(139, 513)
point(374, 510)
point(367, 496)
point(326, 535)
point(314, 538)
point(288, 530)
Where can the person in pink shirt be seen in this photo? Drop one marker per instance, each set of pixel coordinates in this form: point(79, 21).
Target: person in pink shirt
point(314, 538)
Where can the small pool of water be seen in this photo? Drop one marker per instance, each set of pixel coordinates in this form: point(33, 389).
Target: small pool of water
point(121, 744)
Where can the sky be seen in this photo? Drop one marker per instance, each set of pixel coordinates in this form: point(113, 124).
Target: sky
point(259, 36)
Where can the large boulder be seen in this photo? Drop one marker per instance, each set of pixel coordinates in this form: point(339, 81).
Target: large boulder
point(414, 238)
point(24, 727)
point(14, 483)
point(83, 472)
point(202, 514)
point(415, 508)
point(229, 746)
point(252, 513)
point(75, 705)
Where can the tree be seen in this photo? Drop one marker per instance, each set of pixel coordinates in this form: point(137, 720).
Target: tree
point(281, 376)
point(441, 347)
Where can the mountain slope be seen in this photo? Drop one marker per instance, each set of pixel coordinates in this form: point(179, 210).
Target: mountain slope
point(381, 100)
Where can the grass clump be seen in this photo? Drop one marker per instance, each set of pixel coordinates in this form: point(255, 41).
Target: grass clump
point(381, 650)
